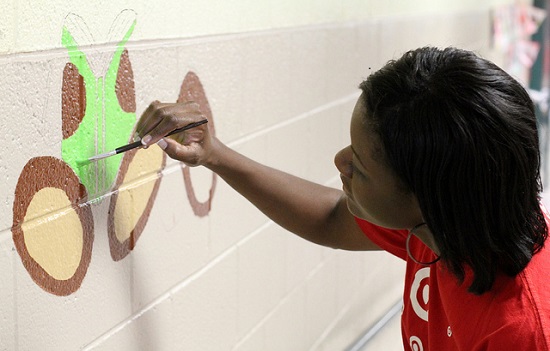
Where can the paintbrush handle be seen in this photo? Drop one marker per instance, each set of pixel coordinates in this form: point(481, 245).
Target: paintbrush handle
point(189, 126)
point(138, 143)
point(125, 148)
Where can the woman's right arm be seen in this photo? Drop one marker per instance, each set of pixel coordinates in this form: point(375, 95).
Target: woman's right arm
point(314, 212)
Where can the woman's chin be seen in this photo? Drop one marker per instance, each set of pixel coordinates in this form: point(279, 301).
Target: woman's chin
point(356, 211)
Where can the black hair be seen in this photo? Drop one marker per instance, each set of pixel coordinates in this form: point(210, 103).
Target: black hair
point(462, 136)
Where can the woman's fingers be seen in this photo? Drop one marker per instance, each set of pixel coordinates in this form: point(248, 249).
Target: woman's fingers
point(159, 119)
point(170, 123)
point(145, 123)
point(193, 153)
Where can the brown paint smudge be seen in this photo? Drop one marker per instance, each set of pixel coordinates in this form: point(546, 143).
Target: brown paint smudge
point(119, 250)
point(124, 86)
point(192, 91)
point(48, 172)
point(73, 100)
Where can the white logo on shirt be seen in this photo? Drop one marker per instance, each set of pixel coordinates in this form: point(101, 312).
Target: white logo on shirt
point(416, 343)
point(420, 287)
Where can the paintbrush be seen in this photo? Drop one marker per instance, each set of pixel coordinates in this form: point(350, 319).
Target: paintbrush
point(138, 143)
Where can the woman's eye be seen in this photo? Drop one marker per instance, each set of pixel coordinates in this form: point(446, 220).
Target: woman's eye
point(356, 171)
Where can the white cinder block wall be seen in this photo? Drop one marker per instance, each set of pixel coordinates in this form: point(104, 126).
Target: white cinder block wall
point(281, 80)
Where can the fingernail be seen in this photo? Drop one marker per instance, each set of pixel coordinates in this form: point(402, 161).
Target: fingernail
point(146, 139)
point(162, 143)
point(136, 137)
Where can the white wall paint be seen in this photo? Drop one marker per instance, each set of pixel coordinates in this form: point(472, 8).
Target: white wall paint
point(35, 25)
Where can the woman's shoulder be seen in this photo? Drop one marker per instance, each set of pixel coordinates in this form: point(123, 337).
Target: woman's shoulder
point(521, 304)
point(537, 285)
point(527, 304)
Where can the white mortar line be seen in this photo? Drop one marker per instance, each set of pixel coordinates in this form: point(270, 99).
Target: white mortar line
point(341, 314)
point(176, 166)
point(15, 302)
point(23, 56)
point(220, 37)
point(160, 299)
point(175, 289)
point(157, 301)
point(358, 345)
point(319, 109)
point(366, 335)
point(241, 140)
point(285, 298)
point(265, 318)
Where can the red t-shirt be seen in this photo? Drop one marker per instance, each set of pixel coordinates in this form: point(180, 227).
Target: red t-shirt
point(440, 314)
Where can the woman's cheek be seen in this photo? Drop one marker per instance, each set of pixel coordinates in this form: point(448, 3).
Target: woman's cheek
point(354, 201)
point(364, 203)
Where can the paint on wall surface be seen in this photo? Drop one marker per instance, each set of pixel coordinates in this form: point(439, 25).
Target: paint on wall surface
point(53, 226)
point(192, 90)
point(52, 223)
point(133, 199)
point(52, 231)
point(99, 106)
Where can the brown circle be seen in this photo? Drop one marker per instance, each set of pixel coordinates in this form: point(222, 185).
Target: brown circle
point(192, 91)
point(50, 172)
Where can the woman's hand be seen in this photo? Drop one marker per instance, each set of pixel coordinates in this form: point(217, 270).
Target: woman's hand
point(193, 146)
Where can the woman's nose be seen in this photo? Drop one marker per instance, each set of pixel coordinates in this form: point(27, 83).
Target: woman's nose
point(342, 160)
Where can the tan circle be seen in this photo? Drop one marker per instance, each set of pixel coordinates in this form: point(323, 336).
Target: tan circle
point(136, 188)
point(52, 226)
point(53, 234)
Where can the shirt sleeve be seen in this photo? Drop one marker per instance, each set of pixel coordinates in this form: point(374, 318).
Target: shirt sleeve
point(390, 240)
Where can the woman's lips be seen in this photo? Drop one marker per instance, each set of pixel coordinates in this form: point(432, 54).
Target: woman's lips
point(345, 184)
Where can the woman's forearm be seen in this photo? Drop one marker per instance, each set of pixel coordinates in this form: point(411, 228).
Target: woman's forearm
point(312, 211)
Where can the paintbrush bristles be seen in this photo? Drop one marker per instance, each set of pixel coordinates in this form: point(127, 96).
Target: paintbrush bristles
point(102, 156)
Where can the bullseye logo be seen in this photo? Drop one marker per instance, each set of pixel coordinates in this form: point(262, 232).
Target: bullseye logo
point(416, 344)
point(420, 293)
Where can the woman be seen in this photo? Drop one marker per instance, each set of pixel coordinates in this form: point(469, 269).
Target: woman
point(442, 171)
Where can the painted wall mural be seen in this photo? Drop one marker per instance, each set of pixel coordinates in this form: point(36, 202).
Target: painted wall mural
point(53, 226)
point(98, 104)
point(192, 90)
point(53, 231)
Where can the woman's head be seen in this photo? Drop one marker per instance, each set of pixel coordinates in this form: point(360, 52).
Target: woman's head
point(460, 134)
point(373, 190)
